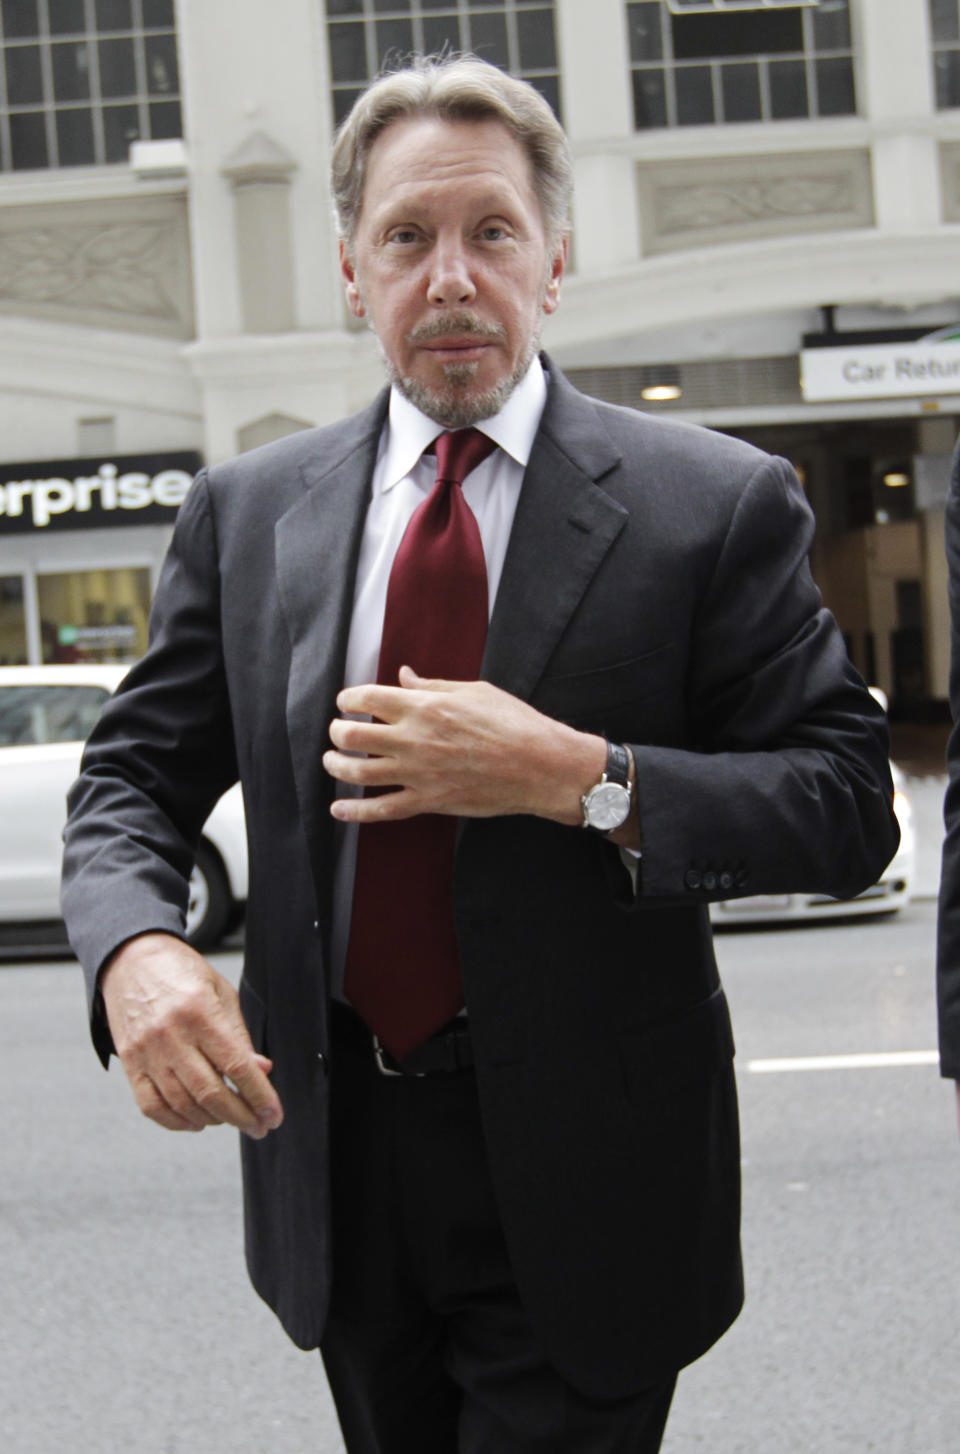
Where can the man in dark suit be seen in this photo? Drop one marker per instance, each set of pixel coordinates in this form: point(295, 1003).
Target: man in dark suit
point(531, 1208)
point(948, 919)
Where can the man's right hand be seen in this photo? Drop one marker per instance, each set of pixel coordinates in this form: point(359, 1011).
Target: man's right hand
point(180, 1035)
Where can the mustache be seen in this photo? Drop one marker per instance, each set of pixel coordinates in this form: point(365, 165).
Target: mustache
point(460, 322)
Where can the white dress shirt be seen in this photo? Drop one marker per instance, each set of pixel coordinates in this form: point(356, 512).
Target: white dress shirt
point(402, 479)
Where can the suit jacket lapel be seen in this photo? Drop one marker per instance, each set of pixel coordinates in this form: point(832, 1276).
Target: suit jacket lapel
point(564, 526)
point(317, 543)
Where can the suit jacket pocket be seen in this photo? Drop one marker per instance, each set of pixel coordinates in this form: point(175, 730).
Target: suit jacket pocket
point(670, 1065)
point(608, 693)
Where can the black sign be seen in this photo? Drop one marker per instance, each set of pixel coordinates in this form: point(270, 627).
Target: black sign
point(87, 494)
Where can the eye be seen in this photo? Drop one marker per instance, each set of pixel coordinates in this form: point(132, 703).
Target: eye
point(493, 232)
point(404, 236)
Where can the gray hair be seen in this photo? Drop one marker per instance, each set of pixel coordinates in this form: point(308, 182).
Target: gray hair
point(454, 88)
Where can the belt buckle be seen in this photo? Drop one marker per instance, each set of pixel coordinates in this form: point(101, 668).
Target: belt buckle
point(379, 1051)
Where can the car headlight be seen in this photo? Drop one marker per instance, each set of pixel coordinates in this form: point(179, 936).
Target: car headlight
point(902, 807)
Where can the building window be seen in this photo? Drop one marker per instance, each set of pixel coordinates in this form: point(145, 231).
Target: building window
point(519, 36)
point(945, 30)
point(13, 622)
point(700, 65)
point(82, 79)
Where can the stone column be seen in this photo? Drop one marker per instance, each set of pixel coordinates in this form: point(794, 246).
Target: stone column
point(895, 79)
point(259, 171)
point(598, 117)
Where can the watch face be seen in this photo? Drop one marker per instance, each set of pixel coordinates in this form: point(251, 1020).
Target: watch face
point(607, 806)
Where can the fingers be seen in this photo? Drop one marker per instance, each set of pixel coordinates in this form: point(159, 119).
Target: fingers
point(367, 772)
point(219, 1081)
point(181, 1037)
point(389, 703)
point(153, 1105)
point(464, 749)
point(373, 700)
point(242, 1094)
point(409, 679)
point(370, 737)
point(384, 808)
point(382, 752)
point(168, 1100)
point(437, 745)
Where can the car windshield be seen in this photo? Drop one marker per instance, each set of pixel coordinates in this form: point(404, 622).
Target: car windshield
point(48, 713)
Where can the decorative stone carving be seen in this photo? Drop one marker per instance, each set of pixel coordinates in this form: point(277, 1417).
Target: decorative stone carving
point(950, 180)
point(696, 204)
point(259, 159)
point(119, 264)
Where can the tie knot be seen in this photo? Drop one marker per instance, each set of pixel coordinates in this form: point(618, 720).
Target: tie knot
point(459, 452)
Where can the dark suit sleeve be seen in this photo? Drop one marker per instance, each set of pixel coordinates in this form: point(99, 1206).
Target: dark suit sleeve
point(948, 924)
point(160, 757)
point(786, 785)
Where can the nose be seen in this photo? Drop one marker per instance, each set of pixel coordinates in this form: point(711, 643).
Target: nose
point(451, 278)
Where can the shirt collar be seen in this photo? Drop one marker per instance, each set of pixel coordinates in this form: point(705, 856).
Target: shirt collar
point(410, 431)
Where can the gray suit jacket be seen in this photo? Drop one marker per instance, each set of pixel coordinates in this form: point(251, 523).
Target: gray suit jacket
point(656, 589)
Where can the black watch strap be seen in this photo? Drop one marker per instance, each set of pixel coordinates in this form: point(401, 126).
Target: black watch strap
point(618, 764)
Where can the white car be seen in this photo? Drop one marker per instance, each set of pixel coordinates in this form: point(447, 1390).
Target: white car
point(890, 893)
point(46, 713)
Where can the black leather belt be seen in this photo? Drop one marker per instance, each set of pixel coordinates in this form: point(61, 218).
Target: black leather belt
point(446, 1052)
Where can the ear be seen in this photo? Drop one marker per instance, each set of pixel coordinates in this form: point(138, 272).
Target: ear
point(551, 293)
point(351, 286)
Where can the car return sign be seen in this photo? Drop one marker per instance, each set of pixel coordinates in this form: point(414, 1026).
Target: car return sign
point(923, 368)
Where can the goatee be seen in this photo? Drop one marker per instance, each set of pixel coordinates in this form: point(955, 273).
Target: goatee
point(455, 405)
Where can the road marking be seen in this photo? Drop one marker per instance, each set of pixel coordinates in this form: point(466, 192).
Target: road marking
point(845, 1062)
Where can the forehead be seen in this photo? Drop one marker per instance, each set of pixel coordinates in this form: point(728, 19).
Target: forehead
point(426, 160)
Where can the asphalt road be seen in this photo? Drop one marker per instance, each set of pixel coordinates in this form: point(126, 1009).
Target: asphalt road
point(126, 1323)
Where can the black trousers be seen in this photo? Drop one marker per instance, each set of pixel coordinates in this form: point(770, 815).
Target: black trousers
point(428, 1349)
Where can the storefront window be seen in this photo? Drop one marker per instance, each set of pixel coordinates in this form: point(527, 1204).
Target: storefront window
point(13, 626)
point(94, 615)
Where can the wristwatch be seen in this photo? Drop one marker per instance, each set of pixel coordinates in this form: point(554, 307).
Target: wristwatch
point(607, 805)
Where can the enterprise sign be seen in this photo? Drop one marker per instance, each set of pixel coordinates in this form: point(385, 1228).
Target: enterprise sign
point(88, 494)
point(921, 369)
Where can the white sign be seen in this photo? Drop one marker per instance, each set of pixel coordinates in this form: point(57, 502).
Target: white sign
point(921, 369)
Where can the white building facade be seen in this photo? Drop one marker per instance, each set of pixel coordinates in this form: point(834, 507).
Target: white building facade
point(766, 240)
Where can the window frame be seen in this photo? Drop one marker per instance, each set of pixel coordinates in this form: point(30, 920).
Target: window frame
point(459, 14)
point(94, 108)
point(668, 67)
point(940, 51)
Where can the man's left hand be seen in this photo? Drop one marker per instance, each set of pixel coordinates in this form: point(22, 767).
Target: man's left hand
point(462, 748)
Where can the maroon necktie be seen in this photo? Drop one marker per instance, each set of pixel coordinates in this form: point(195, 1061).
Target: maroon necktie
point(402, 970)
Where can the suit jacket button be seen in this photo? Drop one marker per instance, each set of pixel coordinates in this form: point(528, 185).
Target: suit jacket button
point(726, 879)
point(692, 878)
point(743, 878)
point(710, 881)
